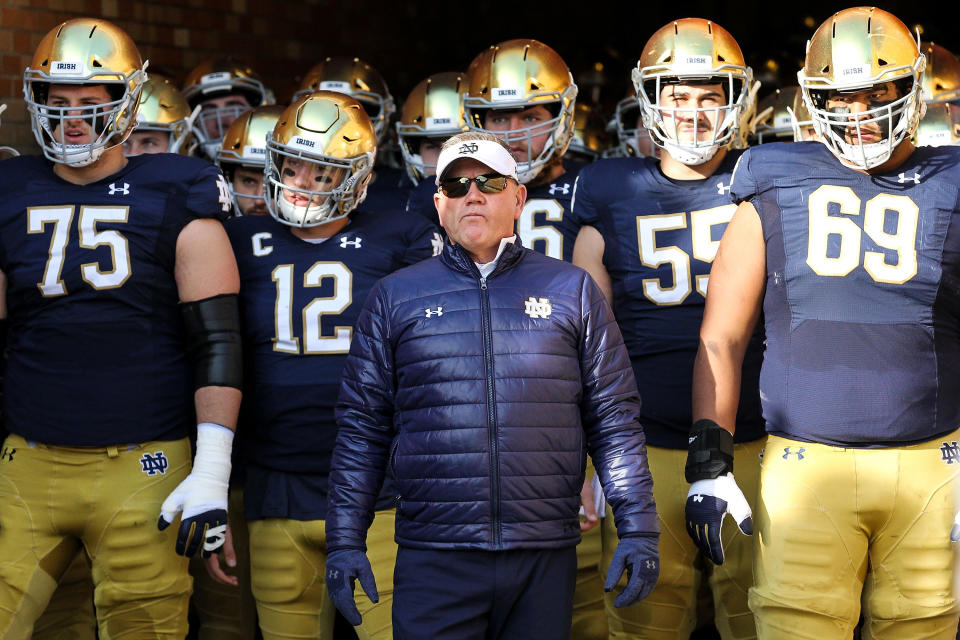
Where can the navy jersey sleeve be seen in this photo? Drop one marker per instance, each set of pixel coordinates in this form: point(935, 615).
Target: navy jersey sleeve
point(423, 241)
point(582, 204)
point(209, 194)
point(744, 183)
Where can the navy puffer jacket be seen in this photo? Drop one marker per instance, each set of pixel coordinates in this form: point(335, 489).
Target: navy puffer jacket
point(483, 396)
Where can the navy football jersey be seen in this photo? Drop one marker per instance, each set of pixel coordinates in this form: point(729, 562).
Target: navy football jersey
point(862, 293)
point(547, 224)
point(420, 201)
point(299, 302)
point(388, 190)
point(96, 349)
point(660, 239)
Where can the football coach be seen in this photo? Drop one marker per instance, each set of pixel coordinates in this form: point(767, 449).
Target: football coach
point(480, 379)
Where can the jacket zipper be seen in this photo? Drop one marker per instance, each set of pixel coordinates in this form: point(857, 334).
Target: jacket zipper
point(491, 413)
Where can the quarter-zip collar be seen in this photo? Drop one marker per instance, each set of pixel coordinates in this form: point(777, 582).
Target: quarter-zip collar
point(456, 257)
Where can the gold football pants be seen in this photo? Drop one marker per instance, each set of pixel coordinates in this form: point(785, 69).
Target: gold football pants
point(69, 614)
point(288, 560)
point(55, 499)
point(225, 612)
point(670, 611)
point(839, 526)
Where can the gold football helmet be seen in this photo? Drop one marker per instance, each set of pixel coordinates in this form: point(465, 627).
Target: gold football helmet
point(854, 50)
point(520, 74)
point(940, 126)
point(589, 139)
point(693, 51)
point(941, 76)
point(333, 132)
point(357, 79)
point(164, 109)
point(85, 51)
point(432, 110)
point(245, 145)
point(218, 78)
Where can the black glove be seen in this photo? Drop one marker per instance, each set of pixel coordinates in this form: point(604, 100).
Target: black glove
point(344, 566)
point(637, 555)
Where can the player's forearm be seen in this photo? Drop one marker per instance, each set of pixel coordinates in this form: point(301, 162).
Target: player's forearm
point(716, 382)
point(219, 405)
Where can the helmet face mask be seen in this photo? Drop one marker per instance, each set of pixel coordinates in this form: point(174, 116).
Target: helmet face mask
point(84, 53)
point(519, 75)
point(324, 139)
point(693, 53)
point(858, 56)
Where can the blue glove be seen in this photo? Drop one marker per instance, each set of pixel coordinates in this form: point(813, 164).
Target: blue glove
point(637, 555)
point(708, 501)
point(344, 566)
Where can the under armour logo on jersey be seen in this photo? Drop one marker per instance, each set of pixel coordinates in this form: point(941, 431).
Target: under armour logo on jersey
point(563, 189)
point(721, 189)
point(904, 178)
point(224, 198)
point(950, 452)
point(154, 464)
point(787, 453)
point(650, 564)
point(7, 454)
point(698, 498)
point(333, 574)
point(434, 312)
point(468, 147)
point(437, 243)
point(537, 307)
point(114, 189)
point(347, 242)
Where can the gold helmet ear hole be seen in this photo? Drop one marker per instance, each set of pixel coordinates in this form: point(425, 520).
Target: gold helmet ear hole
point(826, 69)
point(881, 62)
point(534, 86)
point(721, 58)
point(96, 63)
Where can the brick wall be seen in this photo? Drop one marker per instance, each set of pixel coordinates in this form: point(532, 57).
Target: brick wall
point(280, 39)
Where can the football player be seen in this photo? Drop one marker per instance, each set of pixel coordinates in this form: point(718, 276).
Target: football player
point(223, 88)
point(852, 262)
point(522, 91)
point(432, 113)
point(305, 271)
point(632, 138)
point(164, 121)
point(940, 86)
point(651, 229)
point(112, 264)
point(243, 155)
point(589, 141)
point(388, 185)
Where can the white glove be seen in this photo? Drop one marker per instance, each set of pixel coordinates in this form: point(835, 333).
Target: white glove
point(955, 531)
point(202, 496)
point(708, 501)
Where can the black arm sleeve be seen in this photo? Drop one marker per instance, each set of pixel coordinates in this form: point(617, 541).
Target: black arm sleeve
point(214, 340)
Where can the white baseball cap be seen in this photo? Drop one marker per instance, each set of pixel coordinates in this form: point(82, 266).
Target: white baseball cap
point(487, 152)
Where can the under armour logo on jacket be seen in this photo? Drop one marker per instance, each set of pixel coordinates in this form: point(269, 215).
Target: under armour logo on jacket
point(437, 243)
point(721, 189)
point(904, 178)
point(787, 453)
point(345, 242)
point(123, 191)
point(563, 189)
point(537, 307)
point(434, 312)
point(154, 464)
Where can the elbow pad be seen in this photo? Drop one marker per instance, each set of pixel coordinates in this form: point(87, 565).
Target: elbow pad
point(214, 341)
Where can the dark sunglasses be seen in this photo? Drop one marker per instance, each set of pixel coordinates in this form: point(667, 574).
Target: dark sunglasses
point(486, 183)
